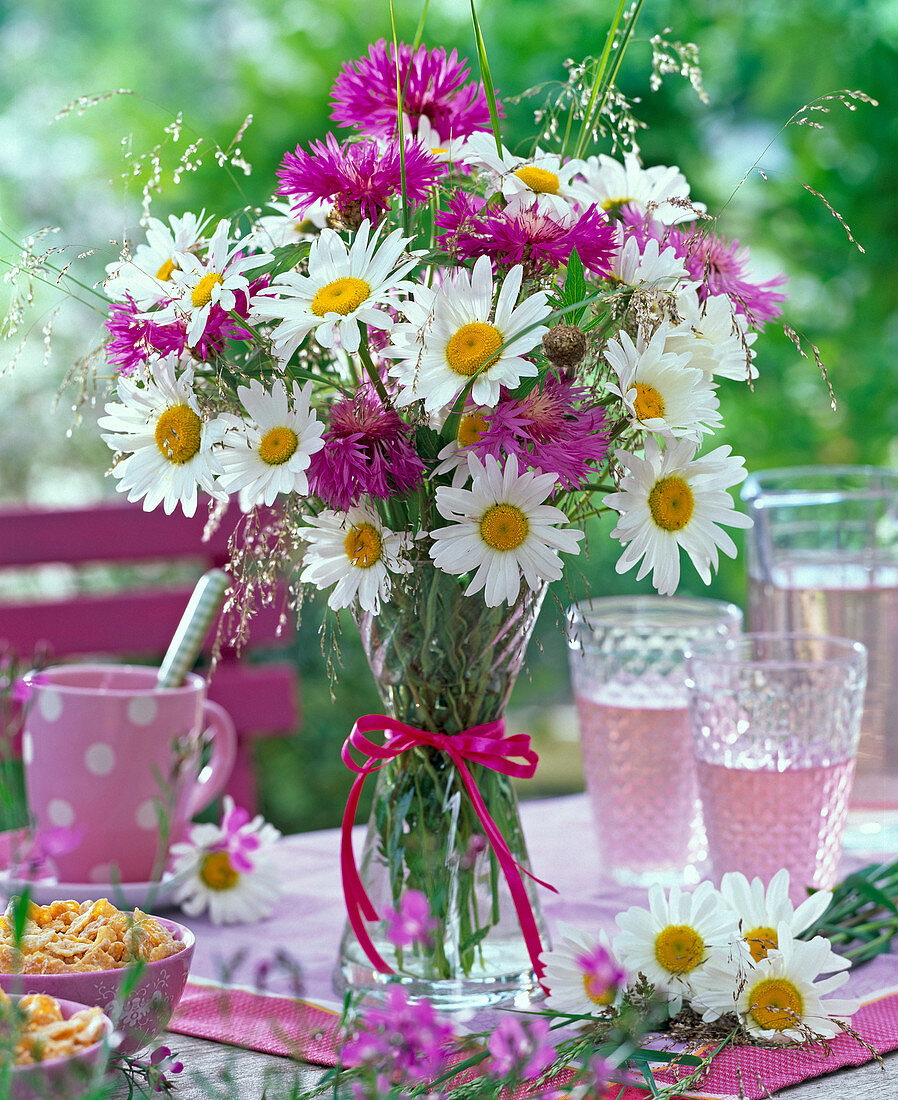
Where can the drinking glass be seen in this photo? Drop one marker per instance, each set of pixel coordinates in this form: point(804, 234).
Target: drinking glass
point(823, 559)
point(776, 720)
point(626, 656)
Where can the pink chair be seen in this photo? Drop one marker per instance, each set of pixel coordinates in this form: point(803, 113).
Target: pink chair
point(137, 622)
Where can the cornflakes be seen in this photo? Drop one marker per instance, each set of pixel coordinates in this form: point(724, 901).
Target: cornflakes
point(71, 937)
point(34, 1030)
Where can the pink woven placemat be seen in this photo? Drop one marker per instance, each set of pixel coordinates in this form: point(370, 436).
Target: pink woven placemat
point(301, 1029)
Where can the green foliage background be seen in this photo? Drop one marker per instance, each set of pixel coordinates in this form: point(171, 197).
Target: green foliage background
point(218, 60)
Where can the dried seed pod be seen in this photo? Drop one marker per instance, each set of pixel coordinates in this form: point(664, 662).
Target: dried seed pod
point(565, 345)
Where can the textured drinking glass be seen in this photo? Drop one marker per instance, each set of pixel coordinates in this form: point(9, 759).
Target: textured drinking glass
point(776, 720)
point(627, 670)
point(823, 559)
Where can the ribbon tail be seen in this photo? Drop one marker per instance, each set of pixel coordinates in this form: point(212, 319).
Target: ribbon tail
point(510, 868)
point(358, 904)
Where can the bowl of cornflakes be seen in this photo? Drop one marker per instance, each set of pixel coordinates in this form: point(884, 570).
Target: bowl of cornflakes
point(132, 965)
point(50, 1048)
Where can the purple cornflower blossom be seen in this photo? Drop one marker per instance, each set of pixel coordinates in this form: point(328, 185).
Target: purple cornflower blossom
point(520, 1048)
point(136, 338)
point(360, 178)
point(411, 922)
point(368, 451)
point(404, 1040)
point(554, 430)
point(529, 236)
point(718, 265)
point(433, 84)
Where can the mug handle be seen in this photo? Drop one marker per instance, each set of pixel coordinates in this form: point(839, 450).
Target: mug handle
point(213, 778)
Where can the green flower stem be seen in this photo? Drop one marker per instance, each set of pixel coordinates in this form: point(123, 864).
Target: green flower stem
point(371, 371)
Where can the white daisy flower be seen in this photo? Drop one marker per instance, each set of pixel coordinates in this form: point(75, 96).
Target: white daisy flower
point(227, 868)
point(651, 266)
point(454, 456)
point(761, 911)
point(670, 499)
point(270, 453)
point(285, 227)
point(354, 552)
point(611, 185)
point(168, 443)
point(146, 277)
point(445, 148)
point(672, 940)
point(542, 180)
point(341, 292)
point(214, 280)
point(501, 526)
point(779, 998)
point(714, 336)
point(452, 335)
point(580, 973)
point(661, 391)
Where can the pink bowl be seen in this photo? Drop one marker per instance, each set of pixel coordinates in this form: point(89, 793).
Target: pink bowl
point(147, 1007)
point(63, 1076)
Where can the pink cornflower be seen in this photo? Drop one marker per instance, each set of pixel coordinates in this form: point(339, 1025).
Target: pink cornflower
point(411, 922)
point(718, 265)
point(433, 84)
point(402, 1040)
point(239, 836)
point(520, 1048)
point(368, 451)
point(135, 339)
point(536, 238)
point(554, 429)
point(721, 265)
point(360, 178)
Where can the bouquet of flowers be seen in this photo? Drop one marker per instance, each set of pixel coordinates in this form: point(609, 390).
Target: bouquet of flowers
point(437, 359)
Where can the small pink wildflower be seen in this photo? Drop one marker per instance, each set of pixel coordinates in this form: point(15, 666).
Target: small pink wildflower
point(602, 976)
point(368, 452)
point(520, 1048)
point(403, 1040)
point(360, 178)
point(240, 836)
point(411, 923)
point(433, 86)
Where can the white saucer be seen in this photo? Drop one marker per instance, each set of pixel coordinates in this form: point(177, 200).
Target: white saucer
point(145, 895)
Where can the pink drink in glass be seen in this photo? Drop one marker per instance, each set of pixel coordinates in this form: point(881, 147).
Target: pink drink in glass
point(631, 751)
point(801, 831)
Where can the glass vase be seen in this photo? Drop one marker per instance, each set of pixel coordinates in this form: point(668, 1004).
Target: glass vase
point(444, 662)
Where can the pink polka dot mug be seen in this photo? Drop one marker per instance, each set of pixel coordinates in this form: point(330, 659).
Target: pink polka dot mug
point(117, 761)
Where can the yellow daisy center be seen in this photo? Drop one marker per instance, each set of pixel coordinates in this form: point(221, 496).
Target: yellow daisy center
point(278, 446)
point(202, 292)
point(597, 993)
point(164, 272)
point(470, 428)
point(775, 1004)
point(760, 941)
point(438, 150)
point(649, 403)
point(178, 434)
point(341, 296)
point(363, 545)
point(473, 347)
point(612, 205)
point(539, 179)
point(671, 503)
point(679, 948)
point(217, 873)
point(504, 527)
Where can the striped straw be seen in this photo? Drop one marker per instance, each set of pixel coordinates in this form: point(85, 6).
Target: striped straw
point(198, 615)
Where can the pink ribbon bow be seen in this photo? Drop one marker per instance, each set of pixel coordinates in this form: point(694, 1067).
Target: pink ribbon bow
point(485, 744)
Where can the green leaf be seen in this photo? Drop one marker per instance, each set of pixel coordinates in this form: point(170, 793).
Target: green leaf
point(20, 915)
point(286, 257)
point(486, 79)
point(428, 443)
point(575, 289)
